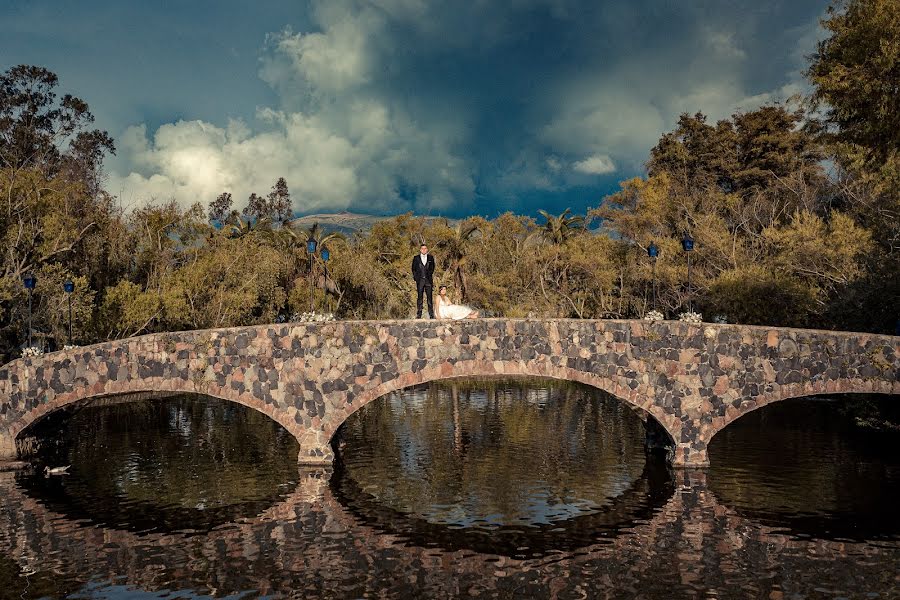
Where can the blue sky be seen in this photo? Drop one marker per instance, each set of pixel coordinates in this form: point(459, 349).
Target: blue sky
point(384, 106)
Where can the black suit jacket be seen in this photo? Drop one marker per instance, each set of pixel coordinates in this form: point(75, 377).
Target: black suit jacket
point(420, 271)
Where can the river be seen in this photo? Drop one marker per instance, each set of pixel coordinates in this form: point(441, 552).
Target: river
point(472, 488)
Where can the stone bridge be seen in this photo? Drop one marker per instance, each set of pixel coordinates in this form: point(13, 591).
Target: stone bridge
point(693, 380)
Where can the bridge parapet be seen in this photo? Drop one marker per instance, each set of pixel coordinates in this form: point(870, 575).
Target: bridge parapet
point(693, 379)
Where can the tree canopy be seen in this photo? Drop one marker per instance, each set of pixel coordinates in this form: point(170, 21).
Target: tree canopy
point(794, 209)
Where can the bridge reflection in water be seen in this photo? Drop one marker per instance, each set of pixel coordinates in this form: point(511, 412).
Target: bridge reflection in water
point(456, 490)
point(326, 540)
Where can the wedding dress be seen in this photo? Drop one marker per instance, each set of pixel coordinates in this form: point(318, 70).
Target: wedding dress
point(454, 311)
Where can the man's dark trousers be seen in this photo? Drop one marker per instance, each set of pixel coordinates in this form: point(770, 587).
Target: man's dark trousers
point(423, 286)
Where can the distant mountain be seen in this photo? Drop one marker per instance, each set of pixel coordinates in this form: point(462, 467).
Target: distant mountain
point(343, 222)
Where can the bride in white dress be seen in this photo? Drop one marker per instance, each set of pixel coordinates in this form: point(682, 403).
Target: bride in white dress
point(444, 309)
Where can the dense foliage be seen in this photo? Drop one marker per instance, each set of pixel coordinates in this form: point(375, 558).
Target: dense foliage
point(796, 221)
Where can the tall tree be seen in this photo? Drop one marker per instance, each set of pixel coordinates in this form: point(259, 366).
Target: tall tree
point(856, 74)
point(279, 200)
point(220, 209)
point(55, 220)
point(744, 154)
point(34, 126)
point(257, 209)
point(697, 152)
point(856, 71)
point(271, 209)
point(455, 249)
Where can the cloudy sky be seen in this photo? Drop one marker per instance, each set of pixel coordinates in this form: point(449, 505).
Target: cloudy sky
point(384, 106)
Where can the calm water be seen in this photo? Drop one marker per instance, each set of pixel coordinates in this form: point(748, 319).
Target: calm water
point(471, 489)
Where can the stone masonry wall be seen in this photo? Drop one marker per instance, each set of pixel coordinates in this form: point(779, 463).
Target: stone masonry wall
point(693, 379)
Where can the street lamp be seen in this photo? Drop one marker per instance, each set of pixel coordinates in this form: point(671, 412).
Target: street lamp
point(325, 254)
point(653, 253)
point(69, 287)
point(30, 281)
point(310, 251)
point(687, 244)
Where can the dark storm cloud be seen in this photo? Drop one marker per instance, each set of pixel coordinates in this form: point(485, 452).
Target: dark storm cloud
point(389, 105)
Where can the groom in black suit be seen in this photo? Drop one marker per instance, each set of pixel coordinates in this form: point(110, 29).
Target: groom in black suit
point(422, 272)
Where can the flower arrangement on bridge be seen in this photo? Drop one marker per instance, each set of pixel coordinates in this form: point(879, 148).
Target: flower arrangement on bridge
point(690, 317)
point(32, 352)
point(312, 317)
point(654, 315)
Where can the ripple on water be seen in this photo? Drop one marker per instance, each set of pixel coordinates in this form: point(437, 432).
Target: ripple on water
point(501, 490)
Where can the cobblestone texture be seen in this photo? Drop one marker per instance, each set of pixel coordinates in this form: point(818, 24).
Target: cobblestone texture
point(693, 379)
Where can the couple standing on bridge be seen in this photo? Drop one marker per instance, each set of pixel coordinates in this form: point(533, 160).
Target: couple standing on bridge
point(423, 273)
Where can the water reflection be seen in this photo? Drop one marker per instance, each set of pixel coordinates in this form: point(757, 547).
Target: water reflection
point(324, 538)
point(637, 504)
point(487, 454)
point(498, 466)
point(311, 545)
point(805, 466)
point(186, 463)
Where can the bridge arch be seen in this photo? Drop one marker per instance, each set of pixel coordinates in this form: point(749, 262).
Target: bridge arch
point(161, 386)
point(639, 397)
point(792, 392)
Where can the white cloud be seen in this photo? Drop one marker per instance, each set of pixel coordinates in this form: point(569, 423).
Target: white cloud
point(724, 45)
point(336, 141)
point(597, 164)
point(331, 61)
point(379, 107)
point(326, 168)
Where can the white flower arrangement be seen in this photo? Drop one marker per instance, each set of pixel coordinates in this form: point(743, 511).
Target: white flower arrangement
point(32, 352)
point(690, 317)
point(311, 317)
point(654, 315)
point(68, 347)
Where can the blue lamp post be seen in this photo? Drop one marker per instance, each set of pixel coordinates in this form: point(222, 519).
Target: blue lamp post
point(687, 244)
point(310, 251)
point(29, 281)
point(653, 253)
point(325, 254)
point(69, 287)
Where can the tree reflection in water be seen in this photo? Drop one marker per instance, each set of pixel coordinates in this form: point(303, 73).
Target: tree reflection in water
point(488, 453)
point(321, 539)
point(179, 463)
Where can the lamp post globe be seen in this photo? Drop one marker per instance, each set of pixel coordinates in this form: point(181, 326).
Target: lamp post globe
point(69, 287)
point(30, 282)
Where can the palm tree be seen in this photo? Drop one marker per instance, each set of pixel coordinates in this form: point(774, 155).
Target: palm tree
point(561, 227)
point(299, 240)
point(456, 249)
point(238, 226)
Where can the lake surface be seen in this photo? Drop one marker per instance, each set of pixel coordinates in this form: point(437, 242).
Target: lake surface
point(496, 489)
